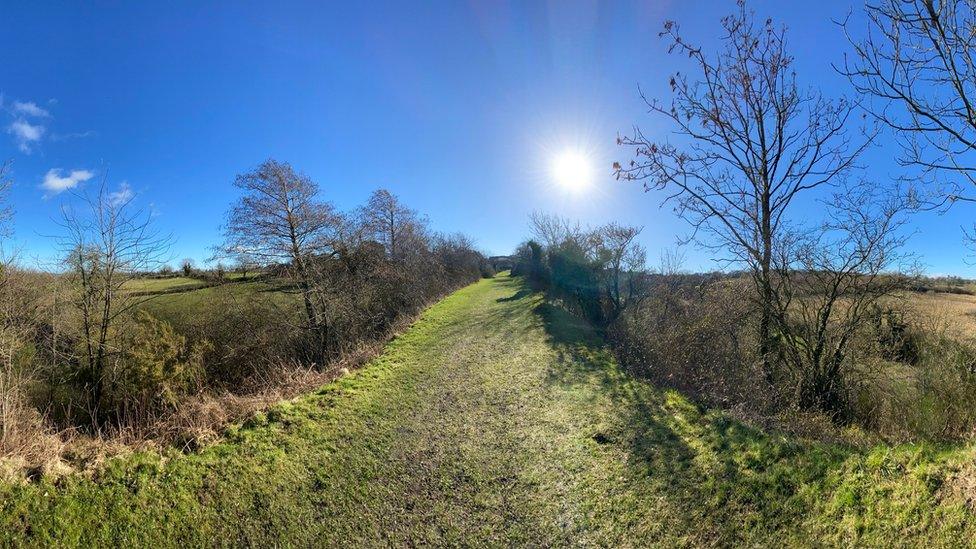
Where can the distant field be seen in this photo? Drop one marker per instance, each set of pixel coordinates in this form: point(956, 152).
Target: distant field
point(956, 313)
point(181, 307)
point(164, 284)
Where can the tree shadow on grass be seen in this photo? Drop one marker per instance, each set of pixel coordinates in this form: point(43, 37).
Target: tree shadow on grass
point(492, 321)
point(516, 296)
point(717, 473)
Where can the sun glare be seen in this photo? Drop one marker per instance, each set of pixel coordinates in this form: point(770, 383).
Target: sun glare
point(572, 171)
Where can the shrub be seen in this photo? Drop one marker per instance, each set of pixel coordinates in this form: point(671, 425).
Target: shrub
point(486, 269)
point(156, 368)
point(687, 335)
point(897, 339)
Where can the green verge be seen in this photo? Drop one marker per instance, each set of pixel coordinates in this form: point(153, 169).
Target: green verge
point(498, 420)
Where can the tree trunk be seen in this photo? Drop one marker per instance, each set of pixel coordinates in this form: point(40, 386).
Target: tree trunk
point(766, 293)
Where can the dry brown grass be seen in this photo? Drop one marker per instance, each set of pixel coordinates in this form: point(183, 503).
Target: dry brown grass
point(201, 419)
point(955, 313)
point(29, 447)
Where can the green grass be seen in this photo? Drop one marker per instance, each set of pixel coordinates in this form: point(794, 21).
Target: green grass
point(499, 420)
point(182, 308)
point(237, 275)
point(176, 283)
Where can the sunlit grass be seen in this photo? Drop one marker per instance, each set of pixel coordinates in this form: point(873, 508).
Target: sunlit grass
point(500, 420)
point(163, 284)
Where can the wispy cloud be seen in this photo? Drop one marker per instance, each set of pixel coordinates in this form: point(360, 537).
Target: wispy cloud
point(28, 122)
point(55, 182)
point(72, 135)
point(121, 196)
point(29, 108)
point(26, 134)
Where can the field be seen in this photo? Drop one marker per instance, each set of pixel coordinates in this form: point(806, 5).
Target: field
point(155, 285)
point(500, 419)
point(955, 313)
point(181, 300)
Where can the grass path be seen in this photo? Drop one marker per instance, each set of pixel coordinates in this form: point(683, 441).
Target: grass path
point(497, 420)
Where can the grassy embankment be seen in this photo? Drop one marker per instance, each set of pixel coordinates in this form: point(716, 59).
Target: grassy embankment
point(500, 420)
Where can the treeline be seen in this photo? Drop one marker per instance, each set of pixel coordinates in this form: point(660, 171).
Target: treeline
point(355, 273)
point(844, 352)
point(85, 355)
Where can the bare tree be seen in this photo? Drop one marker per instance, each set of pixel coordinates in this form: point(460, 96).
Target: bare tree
point(6, 210)
point(18, 311)
point(918, 59)
point(832, 276)
point(671, 262)
point(280, 219)
point(623, 261)
point(391, 223)
point(105, 245)
point(244, 264)
point(552, 230)
point(751, 142)
point(456, 253)
point(604, 268)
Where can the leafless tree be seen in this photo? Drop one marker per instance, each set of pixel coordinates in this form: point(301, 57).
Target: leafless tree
point(106, 244)
point(831, 277)
point(750, 141)
point(6, 210)
point(18, 307)
point(456, 253)
point(552, 230)
point(623, 261)
point(244, 264)
point(280, 219)
point(389, 222)
point(672, 261)
point(606, 264)
point(918, 59)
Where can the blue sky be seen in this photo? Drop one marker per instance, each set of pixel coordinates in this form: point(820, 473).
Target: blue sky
point(457, 107)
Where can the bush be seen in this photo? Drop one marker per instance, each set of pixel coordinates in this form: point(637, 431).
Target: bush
point(902, 381)
point(687, 335)
point(156, 369)
point(229, 343)
point(530, 263)
point(486, 269)
point(897, 340)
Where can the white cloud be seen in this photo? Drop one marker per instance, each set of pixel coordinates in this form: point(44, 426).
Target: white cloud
point(26, 134)
point(72, 135)
point(29, 108)
point(121, 196)
point(54, 182)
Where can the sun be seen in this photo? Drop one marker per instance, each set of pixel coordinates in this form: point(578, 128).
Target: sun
point(572, 170)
